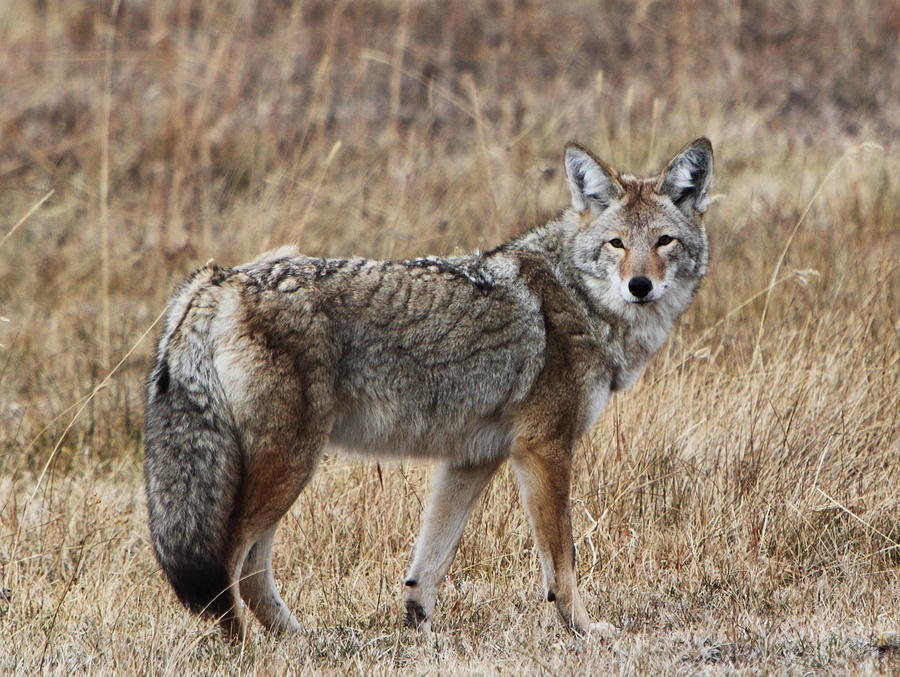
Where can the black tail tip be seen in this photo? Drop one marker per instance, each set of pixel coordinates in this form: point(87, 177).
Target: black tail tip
point(204, 589)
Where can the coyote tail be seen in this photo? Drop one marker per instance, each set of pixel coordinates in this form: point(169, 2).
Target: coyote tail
point(193, 461)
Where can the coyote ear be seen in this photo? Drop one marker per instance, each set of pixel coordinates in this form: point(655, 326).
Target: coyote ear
point(688, 177)
point(591, 182)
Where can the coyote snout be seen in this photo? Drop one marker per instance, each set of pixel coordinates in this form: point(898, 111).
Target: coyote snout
point(645, 271)
point(471, 360)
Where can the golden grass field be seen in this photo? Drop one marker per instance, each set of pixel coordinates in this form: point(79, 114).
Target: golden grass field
point(737, 512)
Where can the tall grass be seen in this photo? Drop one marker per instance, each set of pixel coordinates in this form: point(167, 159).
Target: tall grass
point(737, 511)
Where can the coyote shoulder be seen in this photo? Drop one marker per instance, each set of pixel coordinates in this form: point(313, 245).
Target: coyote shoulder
point(470, 360)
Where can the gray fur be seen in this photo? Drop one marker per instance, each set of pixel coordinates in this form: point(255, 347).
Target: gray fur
point(263, 364)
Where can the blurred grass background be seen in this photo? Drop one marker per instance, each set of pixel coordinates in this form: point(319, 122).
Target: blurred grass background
point(737, 511)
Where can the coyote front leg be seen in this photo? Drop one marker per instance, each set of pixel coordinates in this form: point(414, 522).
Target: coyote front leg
point(453, 493)
point(543, 471)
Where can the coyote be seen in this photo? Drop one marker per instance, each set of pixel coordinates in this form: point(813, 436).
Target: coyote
point(470, 360)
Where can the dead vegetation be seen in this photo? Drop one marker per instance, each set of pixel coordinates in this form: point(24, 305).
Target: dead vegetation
point(736, 512)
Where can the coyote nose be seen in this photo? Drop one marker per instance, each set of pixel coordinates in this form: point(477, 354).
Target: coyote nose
point(640, 286)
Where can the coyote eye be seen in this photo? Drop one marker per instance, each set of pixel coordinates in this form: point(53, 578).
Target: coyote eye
point(617, 243)
point(664, 240)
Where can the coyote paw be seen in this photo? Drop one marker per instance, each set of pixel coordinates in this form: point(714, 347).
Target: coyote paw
point(603, 630)
point(416, 618)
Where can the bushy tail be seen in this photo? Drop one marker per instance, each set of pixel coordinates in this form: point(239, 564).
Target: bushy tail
point(192, 472)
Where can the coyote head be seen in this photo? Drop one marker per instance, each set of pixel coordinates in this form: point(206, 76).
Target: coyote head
point(639, 239)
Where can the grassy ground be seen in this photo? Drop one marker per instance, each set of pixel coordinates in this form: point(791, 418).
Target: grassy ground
point(738, 511)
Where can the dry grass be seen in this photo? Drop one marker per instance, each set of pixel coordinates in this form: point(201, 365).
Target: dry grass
point(737, 512)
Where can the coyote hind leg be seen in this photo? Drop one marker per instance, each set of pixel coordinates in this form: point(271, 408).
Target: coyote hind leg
point(274, 478)
point(258, 588)
point(281, 454)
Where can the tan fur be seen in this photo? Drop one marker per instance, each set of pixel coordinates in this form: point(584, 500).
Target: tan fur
point(469, 360)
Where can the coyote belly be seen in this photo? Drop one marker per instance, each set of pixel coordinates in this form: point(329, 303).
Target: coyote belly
point(469, 360)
